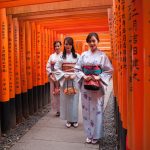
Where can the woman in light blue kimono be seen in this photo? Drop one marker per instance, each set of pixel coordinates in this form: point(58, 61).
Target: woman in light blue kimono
point(54, 85)
point(93, 71)
point(69, 96)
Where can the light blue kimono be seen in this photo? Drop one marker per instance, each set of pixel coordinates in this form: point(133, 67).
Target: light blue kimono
point(68, 103)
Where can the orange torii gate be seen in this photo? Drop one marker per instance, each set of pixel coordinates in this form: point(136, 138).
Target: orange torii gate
point(32, 31)
point(130, 30)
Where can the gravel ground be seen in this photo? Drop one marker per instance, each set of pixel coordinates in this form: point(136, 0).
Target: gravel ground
point(110, 140)
point(15, 134)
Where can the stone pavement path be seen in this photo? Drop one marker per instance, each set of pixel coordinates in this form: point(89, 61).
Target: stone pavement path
point(50, 133)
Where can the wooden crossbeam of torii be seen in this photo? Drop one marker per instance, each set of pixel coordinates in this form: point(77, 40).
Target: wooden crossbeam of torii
point(81, 29)
point(86, 25)
point(72, 13)
point(74, 19)
point(53, 6)
point(60, 9)
point(46, 15)
point(63, 17)
point(14, 3)
point(74, 22)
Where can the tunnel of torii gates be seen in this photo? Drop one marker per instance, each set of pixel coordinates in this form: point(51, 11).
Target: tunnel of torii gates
point(28, 29)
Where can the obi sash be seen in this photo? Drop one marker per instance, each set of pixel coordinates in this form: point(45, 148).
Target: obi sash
point(68, 67)
point(93, 85)
point(92, 70)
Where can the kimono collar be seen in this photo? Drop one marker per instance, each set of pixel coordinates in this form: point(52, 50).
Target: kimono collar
point(58, 54)
point(94, 51)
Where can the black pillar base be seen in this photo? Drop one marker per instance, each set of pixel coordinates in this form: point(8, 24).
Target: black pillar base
point(35, 99)
point(5, 116)
point(12, 113)
point(49, 99)
point(46, 93)
point(0, 118)
point(39, 89)
point(43, 95)
point(25, 105)
point(18, 102)
point(30, 101)
point(121, 132)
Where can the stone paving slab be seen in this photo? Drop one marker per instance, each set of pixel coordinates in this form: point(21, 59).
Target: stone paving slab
point(50, 133)
point(52, 145)
point(47, 145)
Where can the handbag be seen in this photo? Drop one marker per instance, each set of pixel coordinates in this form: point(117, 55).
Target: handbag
point(70, 90)
point(93, 85)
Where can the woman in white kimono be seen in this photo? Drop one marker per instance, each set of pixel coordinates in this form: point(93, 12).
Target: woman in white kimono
point(54, 85)
point(93, 71)
point(69, 96)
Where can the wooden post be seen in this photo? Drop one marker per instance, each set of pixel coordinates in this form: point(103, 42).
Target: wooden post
point(29, 67)
point(42, 64)
point(11, 72)
point(137, 73)
point(45, 62)
point(124, 65)
point(34, 68)
point(146, 49)
point(128, 12)
point(5, 103)
point(49, 49)
point(39, 67)
point(0, 83)
point(17, 72)
point(23, 71)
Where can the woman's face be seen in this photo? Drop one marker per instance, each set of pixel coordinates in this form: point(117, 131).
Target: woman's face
point(93, 42)
point(57, 47)
point(68, 47)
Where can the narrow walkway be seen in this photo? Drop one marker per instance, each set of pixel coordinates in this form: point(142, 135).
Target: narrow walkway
point(50, 133)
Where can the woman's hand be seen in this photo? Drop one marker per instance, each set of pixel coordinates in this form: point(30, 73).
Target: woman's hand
point(72, 77)
point(52, 77)
point(52, 62)
point(67, 77)
point(95, 77)
point(87, 78)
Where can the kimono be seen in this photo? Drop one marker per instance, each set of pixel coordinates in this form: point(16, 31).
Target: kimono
point(68, 103)
point(93, 101)
point(55, 99)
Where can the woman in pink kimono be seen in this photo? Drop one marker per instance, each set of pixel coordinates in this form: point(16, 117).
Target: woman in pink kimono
point(54, 85)
point(93, 71)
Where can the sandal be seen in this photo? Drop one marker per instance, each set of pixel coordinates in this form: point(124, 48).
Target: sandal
point(68, 124)
point(57, 114)
point(88, 141)
point(94, 141)
point(75, 124)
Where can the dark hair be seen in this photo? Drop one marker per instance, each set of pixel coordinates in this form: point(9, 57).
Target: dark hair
point(55, 42)
point(90, 35)
point(70, 42)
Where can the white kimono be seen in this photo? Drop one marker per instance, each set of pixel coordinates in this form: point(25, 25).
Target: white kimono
point(55, 99)
point(93, 101)
point(68, 103)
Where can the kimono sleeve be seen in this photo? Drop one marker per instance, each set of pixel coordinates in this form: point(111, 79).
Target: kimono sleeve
point(48, 66)
point(78, 69)
point(58, 70)
point(107, 68)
